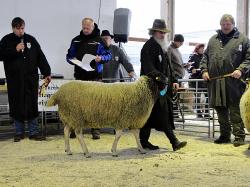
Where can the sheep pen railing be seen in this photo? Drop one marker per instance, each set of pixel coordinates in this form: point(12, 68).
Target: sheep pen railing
point(191, 108)
point(189, 101)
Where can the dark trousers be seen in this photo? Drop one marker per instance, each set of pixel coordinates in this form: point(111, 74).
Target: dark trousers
point(145, 133)
point(230, 116)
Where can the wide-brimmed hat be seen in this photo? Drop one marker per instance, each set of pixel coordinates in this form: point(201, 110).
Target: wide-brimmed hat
point(106, 33)
point(159, 25)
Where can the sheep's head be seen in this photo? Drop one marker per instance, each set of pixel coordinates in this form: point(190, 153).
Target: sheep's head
point(160, 80)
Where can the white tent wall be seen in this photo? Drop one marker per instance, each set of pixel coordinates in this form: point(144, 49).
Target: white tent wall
point(54, 23)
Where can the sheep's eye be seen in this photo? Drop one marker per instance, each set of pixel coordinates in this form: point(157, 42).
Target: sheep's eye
point(158, 78)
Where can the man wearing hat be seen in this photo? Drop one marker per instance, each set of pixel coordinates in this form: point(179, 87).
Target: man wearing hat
point(177, 64)
point(176, 57)
point(154, 58)
point(111, 69)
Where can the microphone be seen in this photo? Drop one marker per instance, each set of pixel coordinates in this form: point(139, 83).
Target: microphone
point(22, 41)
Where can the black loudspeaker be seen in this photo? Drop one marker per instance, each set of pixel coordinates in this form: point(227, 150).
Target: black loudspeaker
point(121, 24)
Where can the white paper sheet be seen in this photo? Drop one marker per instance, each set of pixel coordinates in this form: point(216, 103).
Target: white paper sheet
point(85, 63)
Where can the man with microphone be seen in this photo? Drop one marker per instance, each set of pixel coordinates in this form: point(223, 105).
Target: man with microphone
point(22, 56)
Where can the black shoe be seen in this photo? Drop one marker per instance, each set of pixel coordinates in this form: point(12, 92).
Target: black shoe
point(18, 138)
point(178, 145)
point(148, 145)
point(37, 137)
point(238, 142)
point(95, 136)
point(222, 140)
point(72, 135)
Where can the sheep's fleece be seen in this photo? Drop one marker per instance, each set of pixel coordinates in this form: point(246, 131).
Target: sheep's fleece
point(87, 104)
point(245, 108)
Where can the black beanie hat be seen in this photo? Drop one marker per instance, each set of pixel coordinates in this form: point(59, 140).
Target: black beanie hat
point(178, 38)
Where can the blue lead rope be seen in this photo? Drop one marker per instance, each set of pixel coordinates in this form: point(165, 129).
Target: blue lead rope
point(164, 91)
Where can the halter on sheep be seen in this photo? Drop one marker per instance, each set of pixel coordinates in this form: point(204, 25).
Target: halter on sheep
point(87, 104)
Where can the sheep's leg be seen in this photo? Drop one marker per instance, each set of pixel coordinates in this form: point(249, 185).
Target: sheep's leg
point(79, 136)
point(117, 137)
point(66, 139)
point(136, 134)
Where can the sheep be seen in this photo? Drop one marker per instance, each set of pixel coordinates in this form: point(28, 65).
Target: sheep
point(89, 104)
point(245, 108)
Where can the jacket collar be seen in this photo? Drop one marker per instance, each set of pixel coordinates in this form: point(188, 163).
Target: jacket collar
point(235, 33)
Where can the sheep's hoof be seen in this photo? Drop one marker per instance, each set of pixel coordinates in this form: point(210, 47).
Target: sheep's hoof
point(68, 152)
point(249, 147)
point(142, 151)
point(87, 155)
point(114, 155)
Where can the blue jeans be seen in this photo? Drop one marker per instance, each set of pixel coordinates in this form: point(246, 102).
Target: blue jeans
point(32, 126)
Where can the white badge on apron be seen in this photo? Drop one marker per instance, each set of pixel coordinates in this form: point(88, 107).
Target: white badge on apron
point(240, 47)
point(28, 45)
point(160, 58)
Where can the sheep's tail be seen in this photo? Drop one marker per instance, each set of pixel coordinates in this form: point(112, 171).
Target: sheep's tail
point(52, 100)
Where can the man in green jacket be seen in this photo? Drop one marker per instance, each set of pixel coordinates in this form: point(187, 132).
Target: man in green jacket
point(225, 61)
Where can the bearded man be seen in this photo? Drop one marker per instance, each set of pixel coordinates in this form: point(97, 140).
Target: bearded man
point(154, 58)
